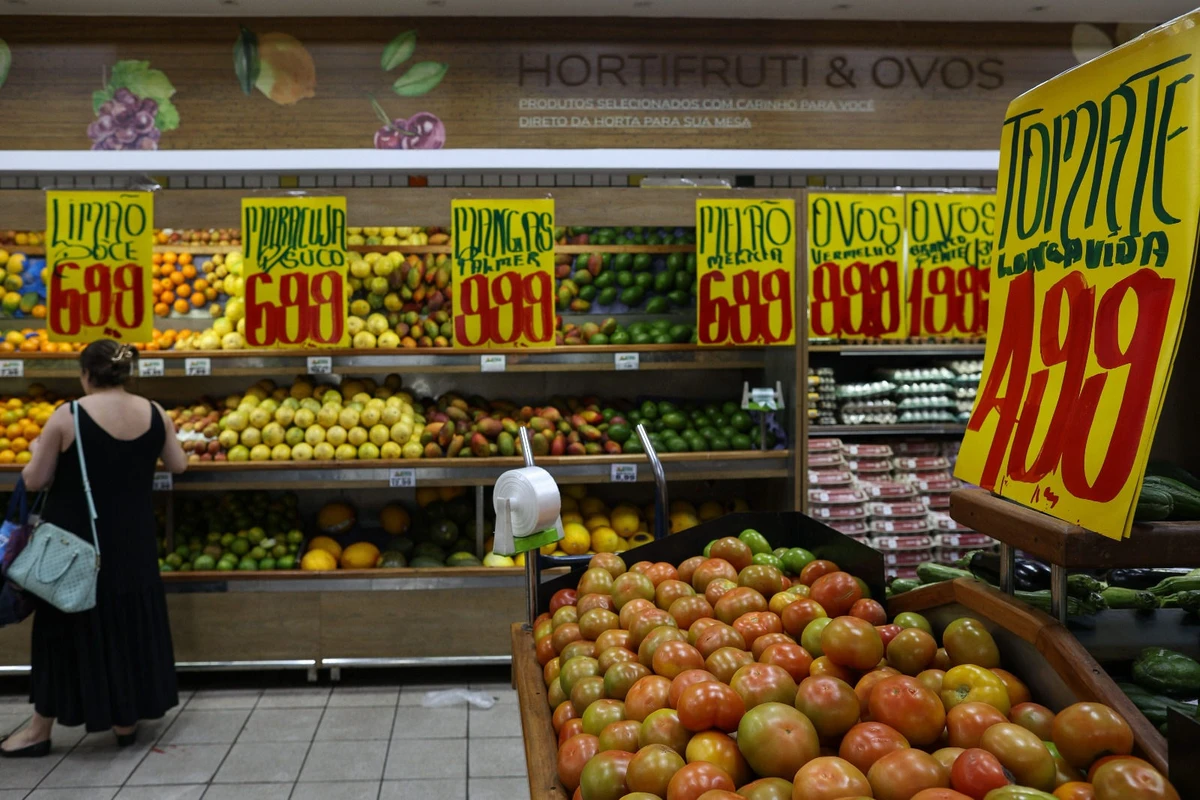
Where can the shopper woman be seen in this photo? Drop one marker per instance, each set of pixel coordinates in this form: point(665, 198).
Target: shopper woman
point(113, 665)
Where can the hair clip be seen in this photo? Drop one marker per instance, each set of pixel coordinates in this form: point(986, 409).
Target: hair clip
point(124, 353)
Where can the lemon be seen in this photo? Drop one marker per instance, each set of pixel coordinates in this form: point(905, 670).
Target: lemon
point(681, 521)
point(736, 505)
point(597, 521)
point(605, 540)
point(625, 520)
point(575, 491)
point(568, 503)
point(326, 544)
point(571, 516)
point(576, 539)
point(590, 506)
point(682, 507)
point(639, 539)
point(361, 555)
point(318, 560)
point(710, 510)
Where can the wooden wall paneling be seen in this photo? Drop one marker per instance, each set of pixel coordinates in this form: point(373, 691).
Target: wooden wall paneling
point(15, 643)
point(245, 626)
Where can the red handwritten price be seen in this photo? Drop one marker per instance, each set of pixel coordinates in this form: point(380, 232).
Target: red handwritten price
point(311, 308)
point(1094, 330)
point(945, 301)
point(110, 298)
point(747, 307)
point(504, 308)
point(857, 300)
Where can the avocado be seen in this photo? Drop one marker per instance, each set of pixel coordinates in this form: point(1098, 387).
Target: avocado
point(598, 339)
point(624, 279)
point(662, 338)
point(663, 282)
point(587, 293)
point(741, 421)
point(632, 296)
point(582, 277)
point(741, 442)
point(643, 280)
point(679, 297)
point(642, 262)
point(426, 562)
point(641, 338)
point(684, 280)
point(674, 261)
point(606, 296)
point(657, 305)
point(650, 410)
point(681, 333)
point(674, 420)
point(619, 337)
point(605, 280)
point(634, 445)
point(393, 559)
point(619, 433)
point(623, 261)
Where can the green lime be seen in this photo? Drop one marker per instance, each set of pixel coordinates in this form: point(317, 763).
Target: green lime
point(598, 339)
point(620, 337)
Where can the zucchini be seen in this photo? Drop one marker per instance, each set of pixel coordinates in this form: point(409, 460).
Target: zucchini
point(1185, 501)
point(1140, 578)
point(1189, 601)
point(1081, 585)
point(1118, 597)
point(1041, 601)
point(902, 585)
point(1153, 706)
point(1154, 503)
point(936, 573)
point(1180, 583)
point(1166, 672)
point(1165, 469)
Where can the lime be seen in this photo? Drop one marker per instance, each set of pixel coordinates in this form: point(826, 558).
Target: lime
point(267, 563)
point(239, 547)
point(247, 565)
point(204, 563)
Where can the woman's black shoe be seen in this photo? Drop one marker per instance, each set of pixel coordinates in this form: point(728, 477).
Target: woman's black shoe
point(36, 750)
point(127, 739)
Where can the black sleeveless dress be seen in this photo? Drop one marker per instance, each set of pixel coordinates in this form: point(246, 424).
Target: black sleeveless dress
point(114, 664)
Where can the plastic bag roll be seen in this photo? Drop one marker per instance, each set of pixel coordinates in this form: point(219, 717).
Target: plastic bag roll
point(533, 502)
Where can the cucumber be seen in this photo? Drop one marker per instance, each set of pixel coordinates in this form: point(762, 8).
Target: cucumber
point(1153, 503)
point(1184, 499)
point(1167, 672)
point(936, 573)
point(902, 585)
point(1153, 706)
point(1165, 469)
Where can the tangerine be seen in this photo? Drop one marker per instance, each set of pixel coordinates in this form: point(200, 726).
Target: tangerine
point(24, 457)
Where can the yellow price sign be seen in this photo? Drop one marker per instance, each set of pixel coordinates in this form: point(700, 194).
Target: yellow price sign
point(855, 266)
point(746, 272)
point(295, 271)
point(949, 249)
point(99, 248)
point(503, 273)
point(1096, 243)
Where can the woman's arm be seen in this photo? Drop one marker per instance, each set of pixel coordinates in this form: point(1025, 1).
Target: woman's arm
point(46, 448)
point(173, 457)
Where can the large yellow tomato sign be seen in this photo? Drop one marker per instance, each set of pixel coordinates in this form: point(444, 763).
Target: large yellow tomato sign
point(503, 265)
point(1096, 243)
point(949, 240)
point(98, 250)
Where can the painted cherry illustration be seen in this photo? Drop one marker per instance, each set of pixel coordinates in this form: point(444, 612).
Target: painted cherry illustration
point(422, 131)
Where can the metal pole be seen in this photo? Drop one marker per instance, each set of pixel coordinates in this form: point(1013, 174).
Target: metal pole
point(480, 522)
point(661, 504)
point(533, 569)
point(1058, 592)
point(1008, 568)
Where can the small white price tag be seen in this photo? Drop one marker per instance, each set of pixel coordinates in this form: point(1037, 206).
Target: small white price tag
point(197, 367)
point(624, 361)
point(402, 478)
point(320, 365)
point(493, 363)
point(150, 367)
point(12, 368)
point(163, 482)
point(623, 473)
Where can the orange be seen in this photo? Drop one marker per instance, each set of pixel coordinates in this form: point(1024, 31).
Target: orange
point(167, 297)
point(185, 258)
point(177, 278)
point(189, 271)
point(161, 309)
point(29, 345)
point(7, 456)
point(157, 258)
point(19, 444)
point(198, 299)
point(181, 306)
point(25, 457)
point(39, 311)
point(327, 544)
point(210, 293)
point(30, 429)
point(318, 561)
point(200, 285)
point(360, 555)
point(169, 257)
point(7, 347)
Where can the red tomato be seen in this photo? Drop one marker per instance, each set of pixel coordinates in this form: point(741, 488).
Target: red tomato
point(767, 789)
point(710, 705)
point(798, 614)
point(733, 550)
point(587, 691)
point(599, 714)
point(829, 778)
point(688, 568)
point(737, 602)
point(615, 638)
point(902, 773)
point(867, 742)
point(544, 648)
point(815, 569)
point(684, 680)
point(1100, 762)
point(656, 639)
point(604, 776)
point(763, 683)
point(621, 735)
point(719, 794)
point(710, 570)
point(721, 750)
point(837, 592)
point(641, 566)
point(761, 643)
point(829, 703)
point(590, 601)
point(652, 768)
point(555, 693)
point(596, 621)
point(700, 626)
point(631, 586)
point(594, 581)
point(571, 727)
point(647, 621)
point(696, 779)
point(565, 634)
point(1018, 692)
point(631, 610)
point(1022, 754)
point(780, 601)
point(933, 680)
point(968, 642)
point(726, 661)
point(939, 794)
point(852, 642)
point(663, 727)
point(1075, 790)
point(620, 678)
point(777, 740)
point(648, 694)
point(540, 620)
point(966, 722)
point(887, 633)
point(909, 707)
point(609, 561)
point(563, 597)
point(1084, 732)
point(1034, 718)
point(942, 660)
point(615, 655)
point(866, 684)
point(672, 658)
point(756, 624)
point(946, 756)
point(669, 591)
point(821, 665)
point(575, 669)
point(583, 647)
point(976, 772)
point(718, 588)
point(1131, 779)
point(562, 713)
point(686, 610)
point(573, 755)
point(911, 651)
point(717, 636)
point(762, 578)
point(661, 571)
point(792, 657)
point(870, 610)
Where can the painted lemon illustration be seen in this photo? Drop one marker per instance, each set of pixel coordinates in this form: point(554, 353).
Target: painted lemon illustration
point(276, 64)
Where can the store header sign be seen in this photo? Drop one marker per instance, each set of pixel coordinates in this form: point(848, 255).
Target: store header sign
point(1096, 244)
point(297, 288)
point(949, 249)
point(503, 273)
point(98, 252)
point(746, 272)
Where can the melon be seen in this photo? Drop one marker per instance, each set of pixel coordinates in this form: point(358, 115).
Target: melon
point(335, 518)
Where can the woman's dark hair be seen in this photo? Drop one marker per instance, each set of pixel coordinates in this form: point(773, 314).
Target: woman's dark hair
point(107, 363)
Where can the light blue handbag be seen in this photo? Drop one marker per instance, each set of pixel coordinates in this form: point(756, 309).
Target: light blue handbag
point(57, 565)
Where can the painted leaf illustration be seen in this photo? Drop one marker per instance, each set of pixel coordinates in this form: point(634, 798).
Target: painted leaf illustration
point(245, 60)
point(421, 78)
point(398, 50)
point(5, 61)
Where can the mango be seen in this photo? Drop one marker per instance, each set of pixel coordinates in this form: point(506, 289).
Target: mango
point(479, 445)
point(575, 449)
point(591, 416)
point(456, 445)
point(526, 413)
point(455, 413)
point(432, 450)
point(593, 449)
point(589, 329)
point(612, 448)
point(489, 427)
point(559, 445)
point(591, 433)
point(538, 424)
point(541, 445)
point(505, 444)
point(446, 435)
point(510, 426)
point(551, 414)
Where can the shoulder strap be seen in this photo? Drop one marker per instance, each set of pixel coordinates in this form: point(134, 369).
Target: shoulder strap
point(87, 486)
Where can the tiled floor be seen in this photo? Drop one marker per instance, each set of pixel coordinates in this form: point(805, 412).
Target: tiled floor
point(297, 743)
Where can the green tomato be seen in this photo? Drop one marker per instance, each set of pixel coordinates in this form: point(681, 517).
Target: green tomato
point(769, 559)
point(755, 541)
point(911, 619)
point(708, 547)
point(810, 639)
point(796, 559)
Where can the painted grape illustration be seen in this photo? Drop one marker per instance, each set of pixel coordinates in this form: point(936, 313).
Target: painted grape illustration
point(133, 109)
point(423, 130)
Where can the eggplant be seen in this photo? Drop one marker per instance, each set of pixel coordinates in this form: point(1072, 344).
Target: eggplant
point(1028, 575)
point(1130, 578)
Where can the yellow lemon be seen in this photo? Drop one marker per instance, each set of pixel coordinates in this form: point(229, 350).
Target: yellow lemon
point(360, 555)
point(640, 538)
point(681, 521)
point(590, 506)
point(682, 507)
point(622, 545)
point(575, 491)
point(736, 505)
point(326, 544)
point(519, 560)
point(605, 540)
point(568, 503)
point(576, 539)
point(597, 521)
point(318, 560)
point(710, 510)
point(625, 520)
point(572, 516)
point(548, 549)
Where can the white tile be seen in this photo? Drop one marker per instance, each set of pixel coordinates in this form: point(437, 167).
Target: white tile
point(11, 721)
point(266, 762)
point(344, 180)
point(508, 180)
point(223, 700)
point(360, 696)
point(206, 727)
point(270, 181)
point(281, 725)
point(248, 791)
point(306, 181)
point(498, 788)
point(19, 701)
point(347, 790)
point(491, 180)
point(180, 792)
point(433, 758)
point(437, 180)
point(454, 180)
point(183, 763)
point(344, 761)
point(362, 180)
point(69, 737)
point(497, 758)
point(352, 724)
point(417, 722)
point(12, 794)
point(93, 793)
point(445, 789)
point(251, 181)
point(545, 180)
point(313, 697)
point(472, 180)
point(581, 179)
point(94, 766)
point(413, 695)
point(502, 719)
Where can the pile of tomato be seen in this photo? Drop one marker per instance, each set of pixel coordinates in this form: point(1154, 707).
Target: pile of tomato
point(724, 678)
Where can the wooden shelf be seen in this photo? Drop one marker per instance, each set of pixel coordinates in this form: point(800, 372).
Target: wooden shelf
point(406, 249)
point(653, 249)
point(383, 573)
point(541, 746)
point(1156, 544)
point(904, 350)
point(900, 429)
